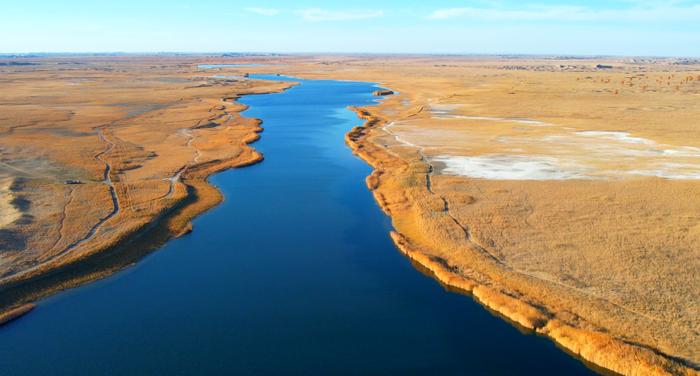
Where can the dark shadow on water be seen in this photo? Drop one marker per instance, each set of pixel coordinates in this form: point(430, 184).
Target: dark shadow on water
point(125, 253)
point(521, 329)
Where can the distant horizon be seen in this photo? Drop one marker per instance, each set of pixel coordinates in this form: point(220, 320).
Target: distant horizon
point(651, 28)
point(331, 53)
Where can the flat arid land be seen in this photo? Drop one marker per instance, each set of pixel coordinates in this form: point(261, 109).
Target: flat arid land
point(563, 193)
point(93, 151)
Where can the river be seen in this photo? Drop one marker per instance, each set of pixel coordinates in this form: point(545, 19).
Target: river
point(294, 273)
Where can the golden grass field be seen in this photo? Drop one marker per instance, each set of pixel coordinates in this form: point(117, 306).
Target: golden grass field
point(561, 194)
point(93, 150)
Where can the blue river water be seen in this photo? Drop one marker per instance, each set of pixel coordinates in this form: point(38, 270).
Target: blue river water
point(294, 273)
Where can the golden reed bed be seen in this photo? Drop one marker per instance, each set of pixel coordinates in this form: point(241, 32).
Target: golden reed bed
point(573, 208)
point(559, 193)
point(95, 151)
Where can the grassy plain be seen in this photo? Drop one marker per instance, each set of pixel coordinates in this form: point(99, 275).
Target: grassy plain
point(93, 150)
point(561, 192)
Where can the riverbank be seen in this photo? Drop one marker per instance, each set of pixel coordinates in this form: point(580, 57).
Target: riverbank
point(407, 203)
point(189, 195)
point(15, 313)
point(262, 272)
point(599, 264)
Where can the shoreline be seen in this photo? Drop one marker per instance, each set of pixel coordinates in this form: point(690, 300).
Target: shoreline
point(15, 313)
point(598, 348)
point(22, 289)
point(175, 221)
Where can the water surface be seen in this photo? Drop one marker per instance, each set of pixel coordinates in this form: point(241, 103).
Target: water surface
point(293, 274)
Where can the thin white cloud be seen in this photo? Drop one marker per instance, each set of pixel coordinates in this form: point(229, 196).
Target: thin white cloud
point(447, 13)
point(641, 11)
point(318, 14)
point(264, 11)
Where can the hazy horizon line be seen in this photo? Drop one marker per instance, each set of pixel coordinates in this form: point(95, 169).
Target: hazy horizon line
point(326, 53)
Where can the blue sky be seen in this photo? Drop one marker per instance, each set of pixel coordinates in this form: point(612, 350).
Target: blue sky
point(622, 27)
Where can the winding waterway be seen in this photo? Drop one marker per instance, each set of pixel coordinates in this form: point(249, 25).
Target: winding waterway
point(294, 273)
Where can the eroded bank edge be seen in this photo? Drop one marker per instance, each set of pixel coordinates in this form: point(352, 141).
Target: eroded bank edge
point(19, 292)
point(598, 348)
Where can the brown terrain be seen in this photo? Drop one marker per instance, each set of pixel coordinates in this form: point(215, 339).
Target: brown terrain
point(562, 193)
point(93, 150)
